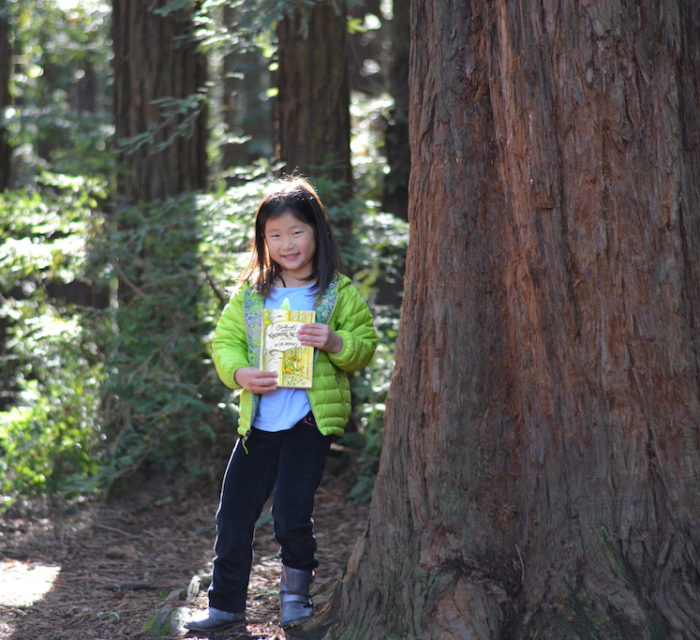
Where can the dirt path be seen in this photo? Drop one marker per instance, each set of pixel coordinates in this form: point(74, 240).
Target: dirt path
point(104, 571)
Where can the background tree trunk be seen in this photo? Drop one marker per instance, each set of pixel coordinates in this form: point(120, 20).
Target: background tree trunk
point(539, 476)
point(398, 155)
point(5, 99)
point(162, 145)
point(246, 113)
point(87, 89)
point(365, 51)
point(313, 117)
point(161, 130)
point(156, 58)
point(6, 394)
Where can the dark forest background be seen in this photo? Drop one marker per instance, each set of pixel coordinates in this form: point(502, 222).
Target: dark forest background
point(135, 142)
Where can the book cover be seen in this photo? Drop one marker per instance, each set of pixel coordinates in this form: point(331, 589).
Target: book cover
point(281, 350)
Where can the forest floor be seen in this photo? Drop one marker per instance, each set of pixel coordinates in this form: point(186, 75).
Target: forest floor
point(115, 569)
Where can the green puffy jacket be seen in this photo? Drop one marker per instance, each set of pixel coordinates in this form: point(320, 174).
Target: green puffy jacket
point(237, 344)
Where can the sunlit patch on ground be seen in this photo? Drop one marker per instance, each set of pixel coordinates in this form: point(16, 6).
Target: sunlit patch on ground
point(24, 583)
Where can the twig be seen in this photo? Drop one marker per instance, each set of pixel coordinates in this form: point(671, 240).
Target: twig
point(130, 586)
point(129, 283)
point(115, 530)
point(88, 600)
point(211, 282)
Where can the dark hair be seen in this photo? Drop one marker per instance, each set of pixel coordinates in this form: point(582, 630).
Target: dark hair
point(298, 197)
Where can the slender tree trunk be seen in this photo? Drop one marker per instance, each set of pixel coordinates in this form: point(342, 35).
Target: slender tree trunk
point(86, 89)
point(246, 113)
point(313, 116)
point(395, 197)
point(539, 476)
point(6, 394)
point(5, 99)
point(156, 59)
point(364, 49)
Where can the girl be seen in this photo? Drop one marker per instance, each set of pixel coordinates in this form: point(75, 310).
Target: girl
point(284, 434)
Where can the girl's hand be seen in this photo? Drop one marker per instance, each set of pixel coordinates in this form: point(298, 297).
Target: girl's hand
point(256, 380)
point(320, 336)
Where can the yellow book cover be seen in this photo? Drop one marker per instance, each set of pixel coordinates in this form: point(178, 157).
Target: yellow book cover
point(281, 350)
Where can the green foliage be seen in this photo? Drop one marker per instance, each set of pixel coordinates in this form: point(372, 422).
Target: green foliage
point(102, 392)
point(227, 226)
point(370, 387)
point(175, 261)
point(50, 437)
point(178, 114)
point(375, 253)
point(164, 623)
point(368, 119)
point(94, 391)
point(157, 397)
point(61, 83)
point(251, 26)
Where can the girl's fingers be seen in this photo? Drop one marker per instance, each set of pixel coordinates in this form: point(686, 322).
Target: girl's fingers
point(316, 332)
point(256, 380)
point(264, 383)
point(321, 336)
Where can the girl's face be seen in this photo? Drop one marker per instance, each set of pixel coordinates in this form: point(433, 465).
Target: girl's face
point(292, 245)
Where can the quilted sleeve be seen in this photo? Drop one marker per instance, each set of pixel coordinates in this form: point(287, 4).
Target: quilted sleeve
point(230, 347)
point(352, 321)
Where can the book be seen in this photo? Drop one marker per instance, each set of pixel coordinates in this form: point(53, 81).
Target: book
point(281, 350)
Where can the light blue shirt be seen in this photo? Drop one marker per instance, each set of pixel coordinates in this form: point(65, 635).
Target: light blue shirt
point(283, 408)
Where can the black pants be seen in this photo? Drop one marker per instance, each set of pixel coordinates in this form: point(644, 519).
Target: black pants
point(291, 462)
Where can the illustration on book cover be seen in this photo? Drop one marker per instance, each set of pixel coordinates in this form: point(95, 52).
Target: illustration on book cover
point(281, 350)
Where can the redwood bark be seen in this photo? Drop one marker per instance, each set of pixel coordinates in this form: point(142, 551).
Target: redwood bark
point(539, 476)
point(156, 58)
point(313, 107)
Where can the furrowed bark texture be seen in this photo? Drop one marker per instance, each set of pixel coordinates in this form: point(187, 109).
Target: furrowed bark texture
point(156, 59)
point(313, 116)
point(539, 476)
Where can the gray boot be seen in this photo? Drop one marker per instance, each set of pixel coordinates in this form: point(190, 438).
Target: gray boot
point(294, 595)
point(216, 620)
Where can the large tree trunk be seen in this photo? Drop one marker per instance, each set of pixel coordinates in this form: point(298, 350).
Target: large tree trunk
point(313, 115)
point(539, 476)
point(5, 99)
point(161, 142)
point(155, 358)
point(156, 59)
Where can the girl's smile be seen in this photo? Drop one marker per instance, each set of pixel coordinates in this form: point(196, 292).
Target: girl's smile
point(292, 245)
